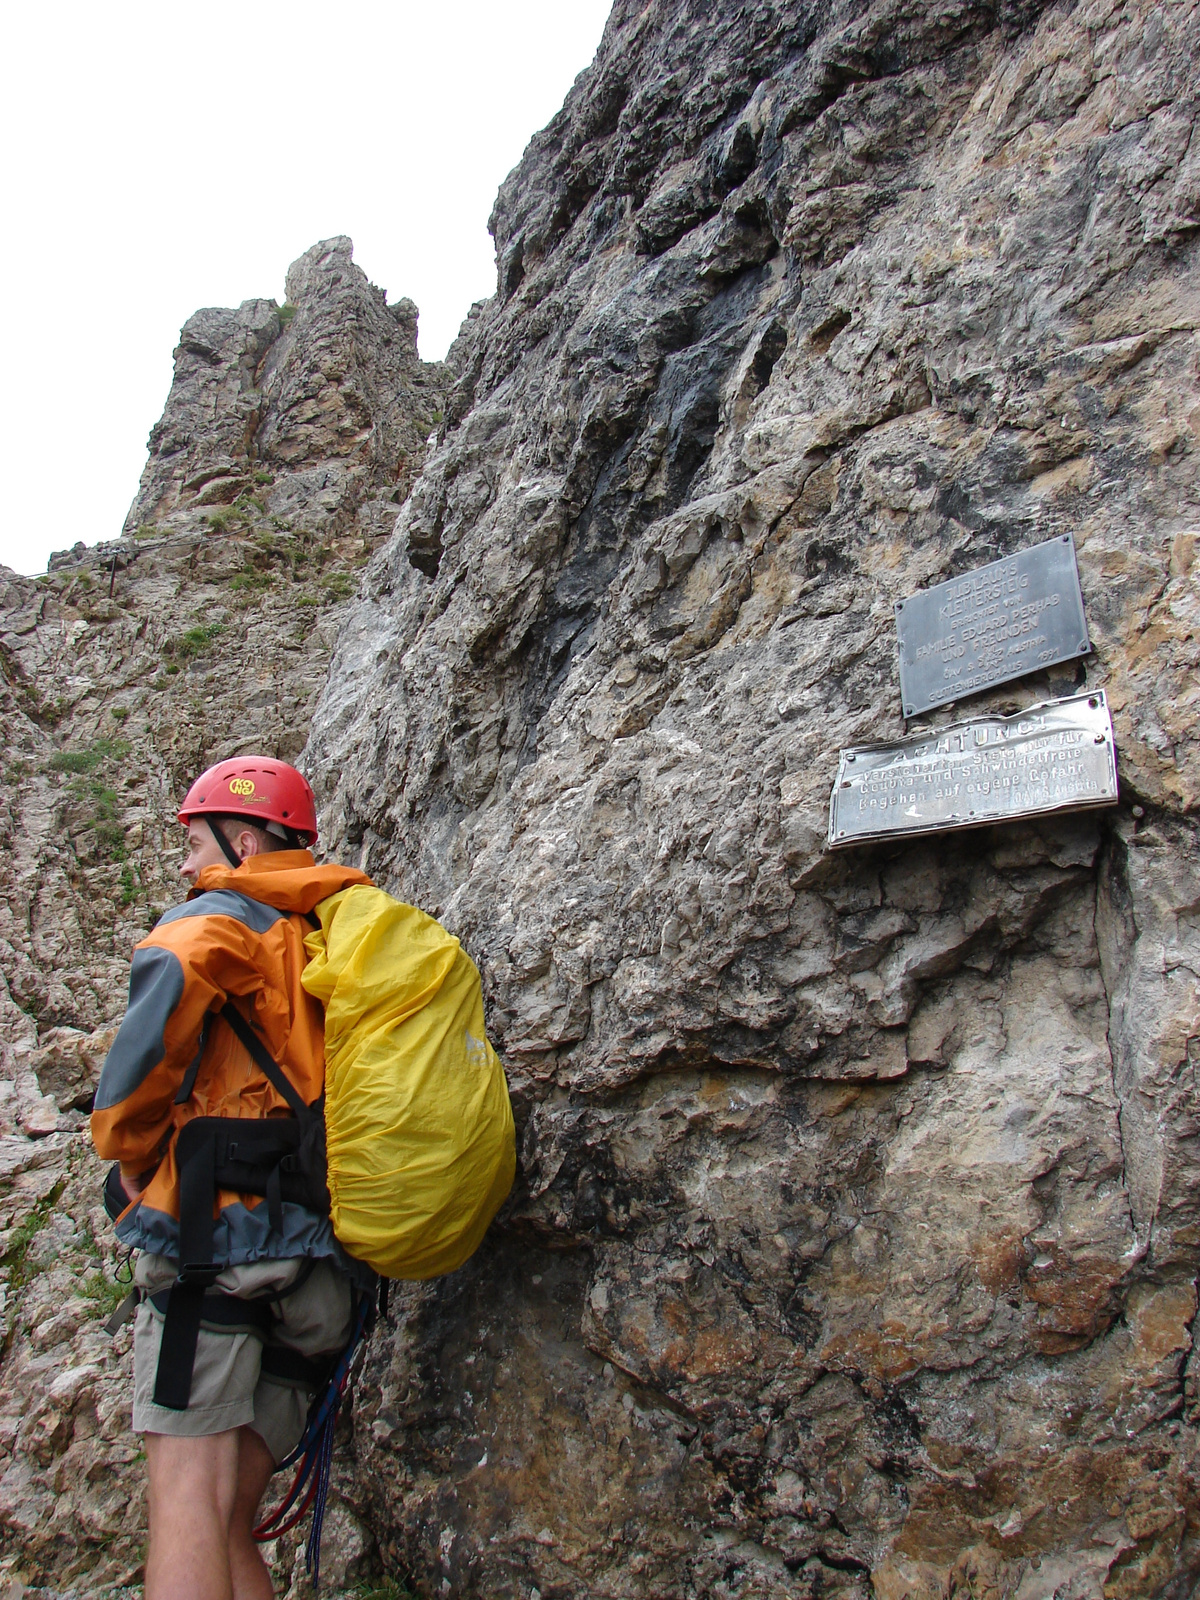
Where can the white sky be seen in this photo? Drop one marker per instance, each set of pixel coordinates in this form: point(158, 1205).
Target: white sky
point(159, 157)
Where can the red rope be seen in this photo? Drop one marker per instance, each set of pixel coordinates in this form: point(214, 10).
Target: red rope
point(265, 1531)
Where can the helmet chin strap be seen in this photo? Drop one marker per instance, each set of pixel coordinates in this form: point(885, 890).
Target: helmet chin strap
point(227, 849)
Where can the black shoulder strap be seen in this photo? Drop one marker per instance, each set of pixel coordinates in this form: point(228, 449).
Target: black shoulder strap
point(270, 1068)
point(196, 1153)
point(189, 1077)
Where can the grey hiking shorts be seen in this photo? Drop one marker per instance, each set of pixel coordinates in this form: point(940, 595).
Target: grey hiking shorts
point(229, 1388)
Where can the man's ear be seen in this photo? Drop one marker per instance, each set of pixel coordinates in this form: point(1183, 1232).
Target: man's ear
point(247, 844)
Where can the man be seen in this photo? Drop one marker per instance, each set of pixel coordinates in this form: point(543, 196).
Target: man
point(275, 1291)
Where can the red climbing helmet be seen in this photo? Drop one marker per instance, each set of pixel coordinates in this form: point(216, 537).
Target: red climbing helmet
point(256, 787)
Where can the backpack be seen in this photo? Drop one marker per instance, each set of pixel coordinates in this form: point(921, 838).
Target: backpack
point(411, 1150)
point(419, 1140)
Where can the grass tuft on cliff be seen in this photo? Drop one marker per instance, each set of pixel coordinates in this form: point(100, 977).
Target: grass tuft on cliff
point(104, 1291)
point(90, 757)
point(16, 1257)
point(194, 642)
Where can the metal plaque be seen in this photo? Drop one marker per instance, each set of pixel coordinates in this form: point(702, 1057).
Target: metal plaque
point(999, 622)
point(1057, 756)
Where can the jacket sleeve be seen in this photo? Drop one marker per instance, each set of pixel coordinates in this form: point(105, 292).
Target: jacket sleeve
point(183, 970)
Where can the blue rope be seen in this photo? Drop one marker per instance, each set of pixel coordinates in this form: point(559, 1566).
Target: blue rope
point(315, 1450)
point(332, 1397)
point(312, 1551)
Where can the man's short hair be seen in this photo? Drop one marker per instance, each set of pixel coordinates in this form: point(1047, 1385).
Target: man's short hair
point(271, 835)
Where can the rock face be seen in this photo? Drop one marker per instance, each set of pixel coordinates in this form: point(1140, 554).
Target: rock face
point(855, 1247)
point(128, 668)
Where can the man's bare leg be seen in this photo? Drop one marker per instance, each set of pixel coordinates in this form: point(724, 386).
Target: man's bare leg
point(193, 1484)
point(248, 1570)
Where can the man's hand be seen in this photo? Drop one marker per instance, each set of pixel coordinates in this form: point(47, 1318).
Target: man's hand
point(133, 1187)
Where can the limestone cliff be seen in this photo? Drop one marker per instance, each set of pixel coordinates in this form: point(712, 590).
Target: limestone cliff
point(856, 1241)
point(855, 1247)
point(289, 436)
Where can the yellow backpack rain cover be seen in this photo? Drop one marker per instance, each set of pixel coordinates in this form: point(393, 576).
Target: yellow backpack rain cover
point(418, 1125)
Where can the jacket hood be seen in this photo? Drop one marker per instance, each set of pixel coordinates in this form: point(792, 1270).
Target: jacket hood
point(289, 880)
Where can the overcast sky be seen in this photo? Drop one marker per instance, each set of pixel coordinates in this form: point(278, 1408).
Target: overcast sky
point(162, 157)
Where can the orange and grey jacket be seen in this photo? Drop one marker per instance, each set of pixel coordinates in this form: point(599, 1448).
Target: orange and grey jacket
point(239, 936)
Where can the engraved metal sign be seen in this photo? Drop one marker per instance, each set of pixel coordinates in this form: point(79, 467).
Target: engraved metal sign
point(999, 622)
point(1057, 756)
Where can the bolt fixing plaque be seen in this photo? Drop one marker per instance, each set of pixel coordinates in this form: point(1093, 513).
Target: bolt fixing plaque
point(1014, 616)
point(1057, 756)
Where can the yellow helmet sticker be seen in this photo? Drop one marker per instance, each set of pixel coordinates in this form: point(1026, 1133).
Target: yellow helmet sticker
point(244, 787)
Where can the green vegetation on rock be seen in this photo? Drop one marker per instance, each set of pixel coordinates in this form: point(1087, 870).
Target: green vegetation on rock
point(90, 757)
point(194, 642)
point(16, 1260)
